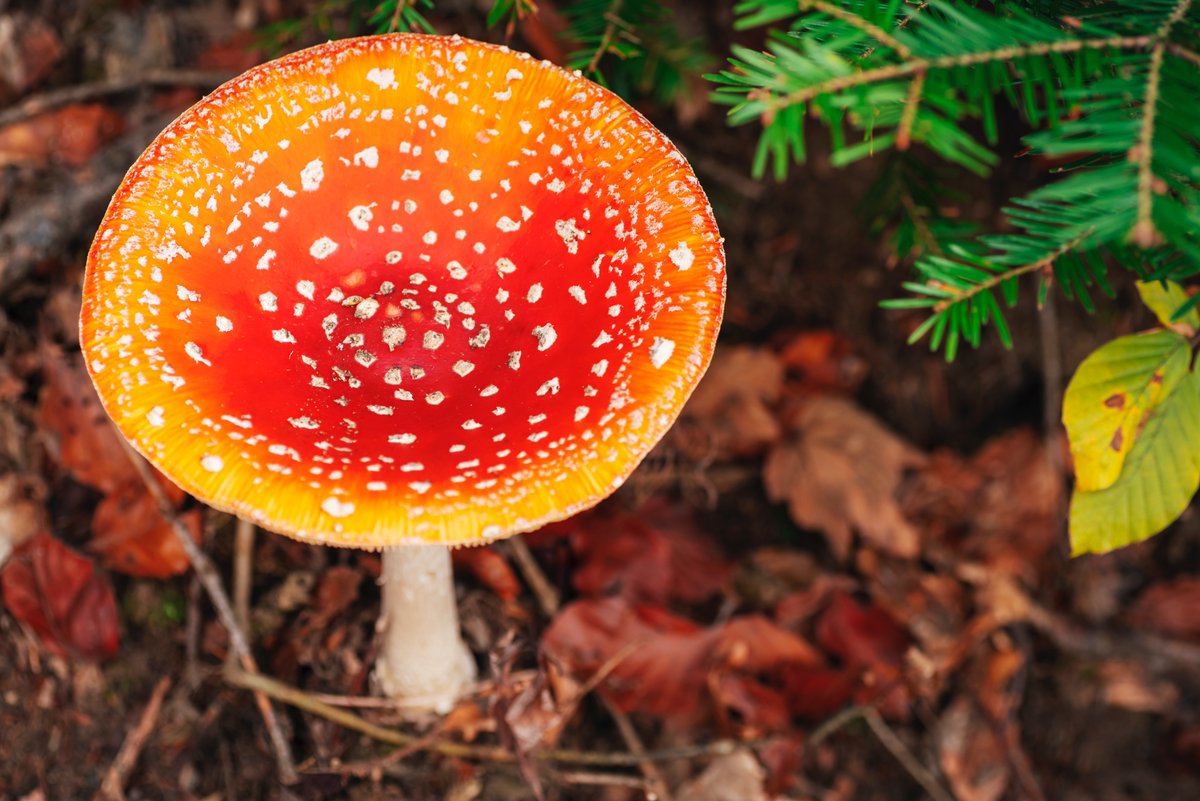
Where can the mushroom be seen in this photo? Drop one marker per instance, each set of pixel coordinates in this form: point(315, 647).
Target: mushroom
point(404, 293)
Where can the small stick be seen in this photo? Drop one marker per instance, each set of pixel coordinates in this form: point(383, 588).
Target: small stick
point(211, 581)
point(111, 789)
point(302, 700)
point(243, 571)
point(899, 750)
point(41, 103)
point(531, 571)
point(655, 786)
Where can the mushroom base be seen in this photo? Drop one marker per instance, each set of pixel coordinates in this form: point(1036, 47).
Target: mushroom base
point(423, 662)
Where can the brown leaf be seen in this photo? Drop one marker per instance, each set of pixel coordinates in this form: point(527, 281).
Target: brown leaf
point(81, 437)
point(59, 595)
point(70, 135)
point(131, 536)
point(21, 515)
point(1170, 607)
point(490, 569)
point(662, 664)
point(30, 47)
point(840, 472)
point(823, 361)
point(733, 777)
point(657, 554)
point(733, 402)
point(971, 754)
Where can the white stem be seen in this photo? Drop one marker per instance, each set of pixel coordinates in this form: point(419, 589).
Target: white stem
point(423, 662)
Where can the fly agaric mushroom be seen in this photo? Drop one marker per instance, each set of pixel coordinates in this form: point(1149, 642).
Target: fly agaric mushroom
point(404, 292)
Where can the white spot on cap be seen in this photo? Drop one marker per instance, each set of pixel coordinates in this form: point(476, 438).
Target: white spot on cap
point(434, 398)
point(661, 350)
point(446, 196)
point(578, 293)
point(282, 335)
point(602, 339)
point(368, 157)
point(322, 248)
point(546, 335)
point(193, 350)
point(580, 413)
point(507, 224)
point(429, 237)
point(393, 335)
point(304, 422)
point(337, 508)
point(306, 289)
point(570, 234)
point(535, 293)
point(383, 77)
point(380, 409)
point(393, 376)
point(212, 463)
point(402, 439)
point(489, 390)
point(505, 266)
point(366, 309)
point(312, 175)
point(268, 301)
point(224, 324)
point(155, 417)
point(550, 387)
point(471, 425)
point(360, 218)
point(514, 360)
point(463, 367)
point(682, 256)
point(433, 340)
point(264, 261)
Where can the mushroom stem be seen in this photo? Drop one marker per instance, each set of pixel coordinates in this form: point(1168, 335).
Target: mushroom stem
point(423, 662)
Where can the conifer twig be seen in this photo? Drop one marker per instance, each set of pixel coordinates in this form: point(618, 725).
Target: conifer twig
point(869, 28)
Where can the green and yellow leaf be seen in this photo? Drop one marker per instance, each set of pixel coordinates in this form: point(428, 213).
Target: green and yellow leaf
point(1161, 475)
point(1113, 395)
point(1164, 299)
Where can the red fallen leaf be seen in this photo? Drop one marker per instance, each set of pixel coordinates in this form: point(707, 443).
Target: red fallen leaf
point(31, 49)
point(816, 693)
point(758, 708)
point(1170, 607)
point(657, 555)
point(131, 536)
point(57, 593)
point(824, 361)
point(870, 644)
point(82, 438)
point(861, 635)
point(661, 663)
point(490, 569)
point(70, 135)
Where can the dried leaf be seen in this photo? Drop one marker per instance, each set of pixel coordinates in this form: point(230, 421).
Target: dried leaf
point(656, 555)
point(21, 517)
point(131, 536)
point(660, 663)
point(733, 777)
point(1170, 607)
point(70, 135)
point(82, 438)
point(490, 569)
point(59, 595)
point(840, 472)
point(823, 361)
point(733, 402)
point(30, 47)
point(971, 754)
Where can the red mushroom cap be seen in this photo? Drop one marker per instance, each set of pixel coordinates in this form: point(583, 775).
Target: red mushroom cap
point(400, 289)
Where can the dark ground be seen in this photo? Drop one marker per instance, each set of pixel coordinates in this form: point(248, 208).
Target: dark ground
point(977, 662)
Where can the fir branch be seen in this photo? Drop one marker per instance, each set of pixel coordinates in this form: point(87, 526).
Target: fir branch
point(867, 27)
point(911, 103)
point(773, 104)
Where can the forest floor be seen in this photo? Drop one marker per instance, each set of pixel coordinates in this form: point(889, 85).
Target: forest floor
point(843, 575)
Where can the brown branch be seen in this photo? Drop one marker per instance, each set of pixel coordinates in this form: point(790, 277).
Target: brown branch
point(211, 581)
point(57, 98)
point(871, 29)
point(111, 789)
point(904, 756)
point(911, 103)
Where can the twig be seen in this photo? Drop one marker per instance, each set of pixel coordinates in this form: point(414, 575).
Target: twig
point(211, 581)
point(900, 751)
point(111, 789)
point(656, 786)
point(601, 779)
point(243, 571)
point(302, 700)
point(46, 101)
point(539, 585)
